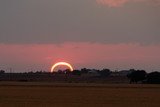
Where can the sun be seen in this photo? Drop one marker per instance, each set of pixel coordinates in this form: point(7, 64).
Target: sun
point(61, 64)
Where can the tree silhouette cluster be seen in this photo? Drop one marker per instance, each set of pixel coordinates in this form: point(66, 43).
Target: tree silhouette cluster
point(153, 78)
point(102, 73)
point(135, 76)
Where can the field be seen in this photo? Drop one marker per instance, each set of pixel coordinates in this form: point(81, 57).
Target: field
point(18, 94)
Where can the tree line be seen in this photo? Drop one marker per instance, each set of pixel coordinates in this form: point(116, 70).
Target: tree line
point(134, 76)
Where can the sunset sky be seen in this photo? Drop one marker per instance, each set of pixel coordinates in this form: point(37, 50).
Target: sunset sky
point(115, 34)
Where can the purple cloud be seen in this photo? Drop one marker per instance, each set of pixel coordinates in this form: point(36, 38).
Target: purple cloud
point(119, 3)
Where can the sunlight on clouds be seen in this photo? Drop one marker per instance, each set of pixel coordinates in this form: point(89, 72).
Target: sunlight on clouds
point(112, 3)
point(119, 3)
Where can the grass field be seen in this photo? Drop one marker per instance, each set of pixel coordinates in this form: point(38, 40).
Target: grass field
point(78, 95)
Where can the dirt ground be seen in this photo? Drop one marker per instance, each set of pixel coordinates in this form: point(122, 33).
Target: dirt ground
point(78, 95)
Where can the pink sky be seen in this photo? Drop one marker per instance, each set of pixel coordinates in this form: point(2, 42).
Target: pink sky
point(82, 54)
point(119, 3)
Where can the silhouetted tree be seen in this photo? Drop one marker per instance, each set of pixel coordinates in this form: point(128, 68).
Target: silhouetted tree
point(85, 70)
point(104, 72)
point(136, 75)
point(38, 72)
point(67, 71)
point(2, 71)
point(30, 72)
point(76, 72)
point(60, 72)
point(153, 78)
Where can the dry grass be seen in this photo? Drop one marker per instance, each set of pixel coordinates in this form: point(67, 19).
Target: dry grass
point(78, 95)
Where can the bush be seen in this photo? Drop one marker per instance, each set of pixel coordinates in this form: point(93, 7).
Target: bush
point(153, 78)
point(137, 75)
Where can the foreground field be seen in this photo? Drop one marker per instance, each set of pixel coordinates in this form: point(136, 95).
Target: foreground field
point(78, 95)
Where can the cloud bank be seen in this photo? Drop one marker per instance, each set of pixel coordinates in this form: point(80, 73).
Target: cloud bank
point(119, 3)
point(58, 21)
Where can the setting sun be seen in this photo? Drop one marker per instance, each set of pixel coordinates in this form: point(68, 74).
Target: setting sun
point(61, 64)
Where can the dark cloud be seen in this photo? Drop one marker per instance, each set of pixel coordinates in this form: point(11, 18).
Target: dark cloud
point(55, 21)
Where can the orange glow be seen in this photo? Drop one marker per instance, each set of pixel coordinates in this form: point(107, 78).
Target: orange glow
point(113, 3)
point(119, 3)
point(63, 64)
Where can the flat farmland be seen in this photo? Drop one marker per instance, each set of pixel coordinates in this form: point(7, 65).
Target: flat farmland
point(19, 94)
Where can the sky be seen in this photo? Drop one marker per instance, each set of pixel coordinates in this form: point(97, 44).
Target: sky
point(115, 34)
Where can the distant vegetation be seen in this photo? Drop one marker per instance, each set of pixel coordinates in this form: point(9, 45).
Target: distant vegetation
point(85, 76)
